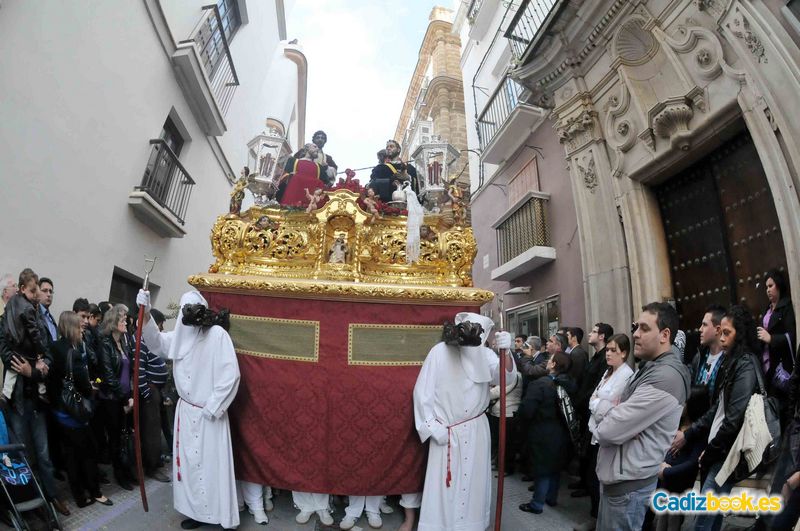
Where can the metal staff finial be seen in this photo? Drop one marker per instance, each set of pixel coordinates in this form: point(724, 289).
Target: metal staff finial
point(148, 270)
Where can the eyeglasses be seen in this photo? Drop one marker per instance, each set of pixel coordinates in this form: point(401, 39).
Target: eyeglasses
point(634, 327)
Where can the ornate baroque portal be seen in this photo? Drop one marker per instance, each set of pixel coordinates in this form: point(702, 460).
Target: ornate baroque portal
point(638, 97)
point(722, 231)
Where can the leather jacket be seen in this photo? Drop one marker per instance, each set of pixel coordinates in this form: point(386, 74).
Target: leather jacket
point(23, 328)
point(739, 383)
point(111, 367)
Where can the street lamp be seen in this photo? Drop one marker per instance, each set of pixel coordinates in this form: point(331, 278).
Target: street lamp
point(519, 290)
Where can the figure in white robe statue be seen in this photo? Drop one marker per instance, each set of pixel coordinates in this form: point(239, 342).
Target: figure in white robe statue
point(450, 397)
point(206, 376)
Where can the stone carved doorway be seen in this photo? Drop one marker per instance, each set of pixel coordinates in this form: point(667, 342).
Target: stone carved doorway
point(722, 231)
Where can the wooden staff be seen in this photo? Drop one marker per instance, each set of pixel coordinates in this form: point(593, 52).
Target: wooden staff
point(137, 440)
point(501, 442)
point(501, 438)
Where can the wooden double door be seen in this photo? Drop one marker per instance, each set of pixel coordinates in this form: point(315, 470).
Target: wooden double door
point(722, 231)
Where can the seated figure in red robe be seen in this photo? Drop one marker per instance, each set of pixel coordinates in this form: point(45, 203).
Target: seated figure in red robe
point(299, 174)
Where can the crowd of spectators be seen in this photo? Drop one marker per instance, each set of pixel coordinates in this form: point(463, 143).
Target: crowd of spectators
point(645, 414)
point(87, 353)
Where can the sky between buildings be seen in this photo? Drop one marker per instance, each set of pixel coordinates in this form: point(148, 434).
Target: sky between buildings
point(361, 55)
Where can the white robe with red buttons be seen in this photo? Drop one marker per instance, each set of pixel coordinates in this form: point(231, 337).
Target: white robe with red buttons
point(444, 395)
point(206, 378)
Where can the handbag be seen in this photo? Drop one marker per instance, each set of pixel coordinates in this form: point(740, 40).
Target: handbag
point(75, 404)
point(772, 416)
point(569, 418)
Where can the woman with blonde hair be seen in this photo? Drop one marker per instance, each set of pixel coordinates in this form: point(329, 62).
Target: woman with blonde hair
point(116, 399)
point(77, 437)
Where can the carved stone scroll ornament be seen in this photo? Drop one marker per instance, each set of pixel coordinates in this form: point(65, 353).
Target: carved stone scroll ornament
point(588, 174)
point(740, 27)
point(577, 130)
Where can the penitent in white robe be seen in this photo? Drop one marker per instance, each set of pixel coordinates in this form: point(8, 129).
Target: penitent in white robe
point(444, 395)
point(206, 378)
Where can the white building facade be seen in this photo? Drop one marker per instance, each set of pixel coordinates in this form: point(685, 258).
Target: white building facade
point(124, 125)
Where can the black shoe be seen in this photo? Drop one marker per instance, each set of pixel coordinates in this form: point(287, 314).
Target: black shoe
point(103, 480)
point(526, 477)
point(580, 493)
point(575, 485)
point(528, 509)
point(123, 484)
point(190, 524)
point(107, 501)
point(85, 503)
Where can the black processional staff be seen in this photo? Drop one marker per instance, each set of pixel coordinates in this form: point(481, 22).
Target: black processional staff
point(137, 440)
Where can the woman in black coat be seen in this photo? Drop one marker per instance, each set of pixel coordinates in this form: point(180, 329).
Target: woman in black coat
point(778, 335)
point(548, 446)
point(78, 439)
point(115, 395)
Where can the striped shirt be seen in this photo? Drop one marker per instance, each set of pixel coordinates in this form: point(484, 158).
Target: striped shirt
point(152, 370)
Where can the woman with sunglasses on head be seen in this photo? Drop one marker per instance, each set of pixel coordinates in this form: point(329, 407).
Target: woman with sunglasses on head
point(78, 439)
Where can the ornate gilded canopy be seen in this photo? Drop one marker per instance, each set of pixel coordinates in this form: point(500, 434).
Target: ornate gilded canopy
point(339, 250)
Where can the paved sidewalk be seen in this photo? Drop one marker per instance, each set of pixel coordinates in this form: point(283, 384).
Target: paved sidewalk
point(127, 515)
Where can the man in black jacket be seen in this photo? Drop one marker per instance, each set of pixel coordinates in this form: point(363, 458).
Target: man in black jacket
point(579, 357)
point(597, 366)
point(23, 347)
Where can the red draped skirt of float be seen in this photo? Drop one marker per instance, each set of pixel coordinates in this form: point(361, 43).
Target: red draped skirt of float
point(328, 425)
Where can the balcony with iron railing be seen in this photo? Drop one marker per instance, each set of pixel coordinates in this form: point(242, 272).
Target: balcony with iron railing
point(530, 19)
point(162, 199)
point(205, 68)
point(505, 122)
point(523, 238)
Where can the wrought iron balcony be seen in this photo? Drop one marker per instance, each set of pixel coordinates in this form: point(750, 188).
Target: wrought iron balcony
point(163, 197)
point(473, 10)
point(211, 38)
point(523, 238)
point(504, 121)
point(204, 67)
point(528, 21)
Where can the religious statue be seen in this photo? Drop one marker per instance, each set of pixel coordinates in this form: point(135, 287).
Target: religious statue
point(338, 252)
point(237, 194)
point(300, 173)
point(426, 233)
point(326, 163)
point(371, 203)
point(314, 200)
point(391, 169)
point(456, 195)
point(264, 223)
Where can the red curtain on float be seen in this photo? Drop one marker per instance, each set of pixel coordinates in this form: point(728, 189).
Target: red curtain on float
point(328, 426)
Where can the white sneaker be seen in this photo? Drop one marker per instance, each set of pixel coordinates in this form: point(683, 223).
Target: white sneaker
point(374, 520)
point(325, 517)
point(347, 522)
point(268, 505)
point(260, 516)
point(386, 508)
point(303, 517)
